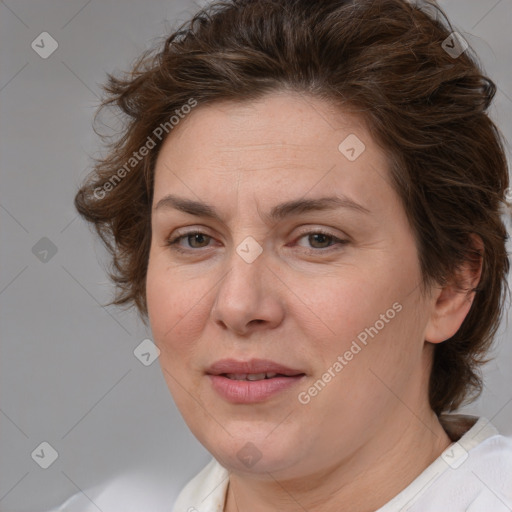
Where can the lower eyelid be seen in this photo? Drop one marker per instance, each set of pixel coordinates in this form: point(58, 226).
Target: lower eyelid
point(174, 242)
point(334, 238)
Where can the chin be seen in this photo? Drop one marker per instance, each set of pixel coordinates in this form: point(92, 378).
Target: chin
point(256, 453)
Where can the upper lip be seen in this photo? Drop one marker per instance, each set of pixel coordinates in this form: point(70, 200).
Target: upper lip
point(252, 366)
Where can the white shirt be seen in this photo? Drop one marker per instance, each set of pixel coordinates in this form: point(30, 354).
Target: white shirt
point(474, 474)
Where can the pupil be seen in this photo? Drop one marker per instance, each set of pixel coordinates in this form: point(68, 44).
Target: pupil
point(196, 236)
point(325, 237)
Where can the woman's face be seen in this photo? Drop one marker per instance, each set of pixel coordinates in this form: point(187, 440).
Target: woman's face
point(329, 290)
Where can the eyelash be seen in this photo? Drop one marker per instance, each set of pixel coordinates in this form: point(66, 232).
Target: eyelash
point(173, 243)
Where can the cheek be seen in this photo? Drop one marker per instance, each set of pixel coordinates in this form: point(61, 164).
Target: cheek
point(370, 320)
point(380, 355)
point(172, 308)
point(345, 306)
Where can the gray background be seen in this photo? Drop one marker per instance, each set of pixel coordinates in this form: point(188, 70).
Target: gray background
point(68, 373)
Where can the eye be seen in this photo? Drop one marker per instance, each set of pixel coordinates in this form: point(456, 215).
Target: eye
point(320, 241)
point(195, 236)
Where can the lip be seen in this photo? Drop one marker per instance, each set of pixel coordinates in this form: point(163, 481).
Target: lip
point(248, 392)
point(252, 366)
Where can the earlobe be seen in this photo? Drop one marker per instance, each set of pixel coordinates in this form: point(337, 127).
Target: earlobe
point(452, 303)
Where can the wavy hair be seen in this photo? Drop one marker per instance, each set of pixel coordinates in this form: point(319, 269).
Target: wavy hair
point(389, 61)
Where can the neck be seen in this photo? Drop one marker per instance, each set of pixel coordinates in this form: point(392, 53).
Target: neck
point(385, 462)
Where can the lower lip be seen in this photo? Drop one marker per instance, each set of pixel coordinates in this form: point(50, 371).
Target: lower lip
point(249, 392)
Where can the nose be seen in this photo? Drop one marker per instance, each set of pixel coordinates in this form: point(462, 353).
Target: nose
point(249, 297)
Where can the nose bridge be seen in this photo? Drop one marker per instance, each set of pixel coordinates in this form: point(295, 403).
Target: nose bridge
point(247, 258)
point(246, 293)
point(246, 265)
point(242, 296)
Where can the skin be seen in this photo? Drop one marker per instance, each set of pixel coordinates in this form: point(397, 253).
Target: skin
point(301, 303)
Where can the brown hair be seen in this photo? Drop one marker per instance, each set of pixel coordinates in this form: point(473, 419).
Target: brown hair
point(386, 59)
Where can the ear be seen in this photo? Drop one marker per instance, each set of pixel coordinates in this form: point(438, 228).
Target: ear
point(451, 304)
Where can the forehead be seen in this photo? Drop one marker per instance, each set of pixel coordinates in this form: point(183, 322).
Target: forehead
point(284, 123)
point(283, 139)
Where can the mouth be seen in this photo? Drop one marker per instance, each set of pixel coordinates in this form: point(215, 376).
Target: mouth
point(255, 369)
point(246, 382)
point(256, 376)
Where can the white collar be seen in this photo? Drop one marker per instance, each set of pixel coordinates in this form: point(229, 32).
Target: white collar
point(206, 492)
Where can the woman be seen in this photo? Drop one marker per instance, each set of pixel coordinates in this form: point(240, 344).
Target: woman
point(335, 165)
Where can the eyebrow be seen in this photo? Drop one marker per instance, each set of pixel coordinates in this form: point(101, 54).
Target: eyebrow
point(278, 212)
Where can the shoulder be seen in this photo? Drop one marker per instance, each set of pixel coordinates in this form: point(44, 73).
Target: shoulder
point(481, 449)
point(478, 479)
point(141, 489)
point(206, 491)
point(472, 475)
